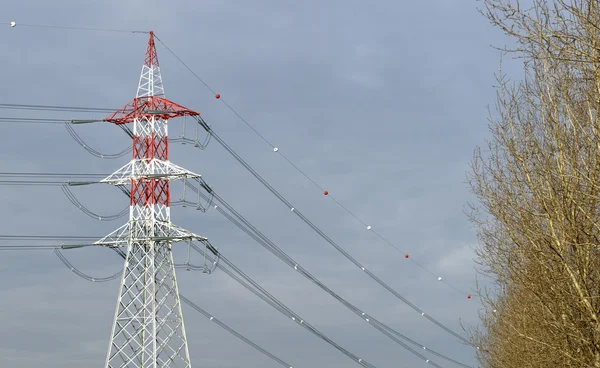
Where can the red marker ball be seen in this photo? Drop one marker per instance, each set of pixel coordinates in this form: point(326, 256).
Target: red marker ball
point(468, 296)
point(406, 256)
point(325, 192)
point(217, 96)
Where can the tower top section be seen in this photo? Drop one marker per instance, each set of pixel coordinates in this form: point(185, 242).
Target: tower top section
point(150, 80)
point(150, 101)
point(151, 56)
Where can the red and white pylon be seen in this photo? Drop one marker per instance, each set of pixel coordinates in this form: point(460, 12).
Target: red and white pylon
point(148, 329)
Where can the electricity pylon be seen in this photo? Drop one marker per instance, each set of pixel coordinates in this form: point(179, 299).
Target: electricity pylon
point(148, 329)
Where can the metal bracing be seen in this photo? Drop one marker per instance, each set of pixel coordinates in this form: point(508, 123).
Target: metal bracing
point(148, 329)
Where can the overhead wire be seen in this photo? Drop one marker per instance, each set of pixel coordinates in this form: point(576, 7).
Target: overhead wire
point(377, 324)
point(28, 247)
point(368, 227)
point(45, 237)
point(92, 151)
point(96, 29)
point(11, 106)
point(264, 241)
point(252, 286)
point(303, 173)
point(73, 269)
point(340, 249)
point(211, 134)
point(71, 197)
point(210, 317)
point(5, 120)
point(85, 109)
point(242, 223)
point(264, 295)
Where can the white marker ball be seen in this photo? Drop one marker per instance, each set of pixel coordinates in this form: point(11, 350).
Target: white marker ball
point(275, 149)
point(369, 227)
point(13, 24)
point(439, 279)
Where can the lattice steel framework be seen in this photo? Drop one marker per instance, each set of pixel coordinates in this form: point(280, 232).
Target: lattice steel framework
point(148, 329)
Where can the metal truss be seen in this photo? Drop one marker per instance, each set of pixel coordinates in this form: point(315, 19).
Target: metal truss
point(148, 329)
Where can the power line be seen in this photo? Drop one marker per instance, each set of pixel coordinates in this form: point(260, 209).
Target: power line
point(238, 276)
point(340, 249)
point(251, 285)
point(303, 173)
point(276, 149)
point(243, 224)
point(335, 245)
point(232, 331)
point(96, 29)
point(54, 108)
point(28, 247)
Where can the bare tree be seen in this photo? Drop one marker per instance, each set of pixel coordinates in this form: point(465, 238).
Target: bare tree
point(538, 209)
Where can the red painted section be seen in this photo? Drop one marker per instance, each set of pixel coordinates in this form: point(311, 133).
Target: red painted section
point(146, 107)
point(151, 57)
point(149, 191)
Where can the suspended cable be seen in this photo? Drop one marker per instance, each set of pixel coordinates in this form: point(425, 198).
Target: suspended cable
point(51, 175)
point(54, 108)
point(340, 249)
point(71, 197)
point(14, 24)
point(233, 332)
point(92, 151)
point(29, 247)
point(39, 247)
point(324, 236)
point(31, 121)
point(276, 150)
point(264, 295)
point(183, 140)
point(30, 183)
point(64, 260)
point(252, 282)
point(69, 194)
point(243, 224)
point(45, 237)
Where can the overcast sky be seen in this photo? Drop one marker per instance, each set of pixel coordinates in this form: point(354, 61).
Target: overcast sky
point(381, 102)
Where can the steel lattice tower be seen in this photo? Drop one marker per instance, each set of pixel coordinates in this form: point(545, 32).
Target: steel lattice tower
point(148, 329)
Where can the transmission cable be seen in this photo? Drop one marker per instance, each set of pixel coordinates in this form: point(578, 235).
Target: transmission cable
point(259, 291)
point(71, 197)
point(14, 24)
point(29, 247)
point(242, 223)
point(280, 253)
point(324, 236)
point(92, 151)
point(64, 260)
point(252, 286)
point(232, 331)
point(276, 150)
point(54, 108)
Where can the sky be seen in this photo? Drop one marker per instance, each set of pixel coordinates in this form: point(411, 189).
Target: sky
point(382, 103)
